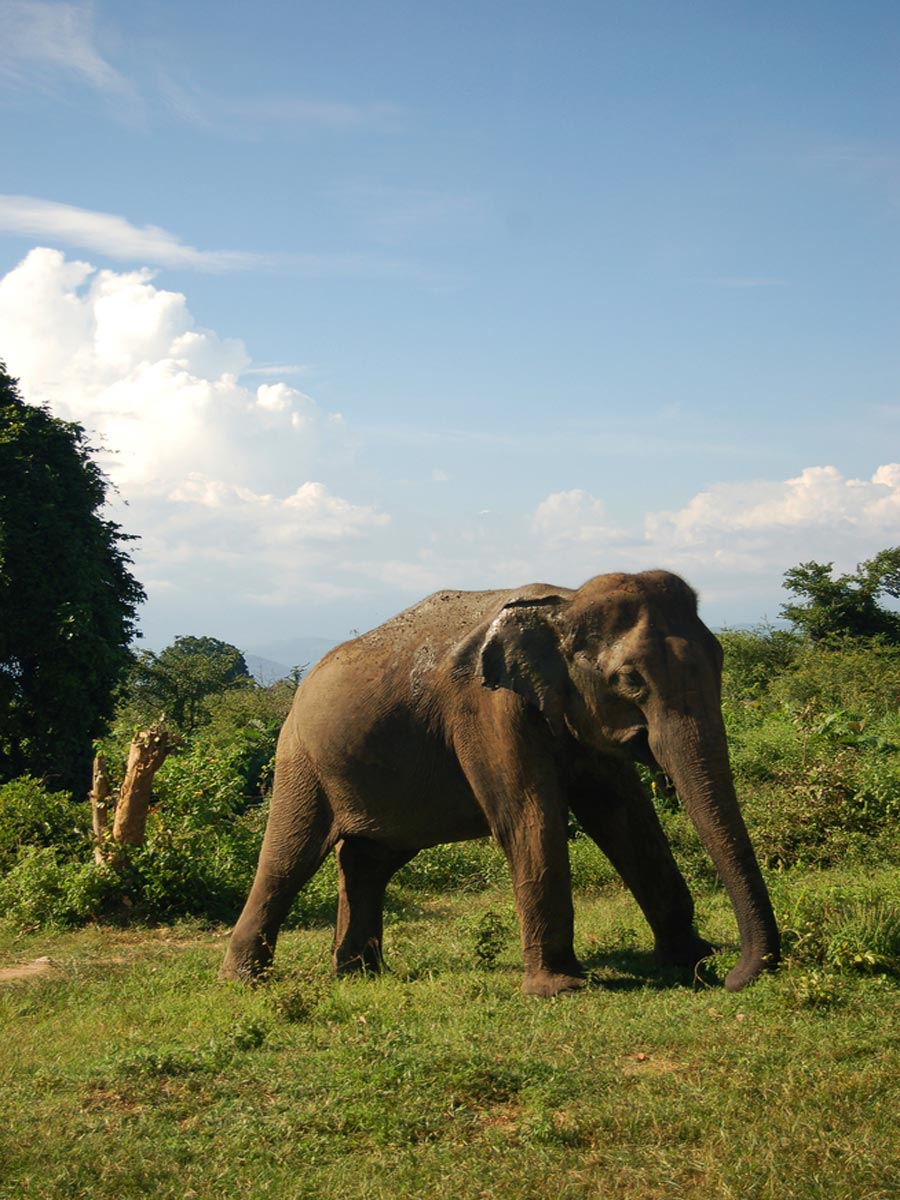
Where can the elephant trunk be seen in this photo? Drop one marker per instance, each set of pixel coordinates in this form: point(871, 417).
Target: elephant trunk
point(693, 752)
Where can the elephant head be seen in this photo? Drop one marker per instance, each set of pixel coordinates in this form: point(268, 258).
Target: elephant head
point(625, 665)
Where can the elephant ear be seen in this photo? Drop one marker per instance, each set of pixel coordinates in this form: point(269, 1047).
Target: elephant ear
point(521, 652)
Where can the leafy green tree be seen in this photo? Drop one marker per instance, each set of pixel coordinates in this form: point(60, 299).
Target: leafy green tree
point(68, 601)
point(179, 681)
point(848, 605)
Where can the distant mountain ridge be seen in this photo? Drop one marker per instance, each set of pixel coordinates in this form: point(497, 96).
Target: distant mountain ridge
point(272, 661)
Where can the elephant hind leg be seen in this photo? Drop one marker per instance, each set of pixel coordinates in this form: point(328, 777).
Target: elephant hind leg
point(364, 869)
point(299, 834)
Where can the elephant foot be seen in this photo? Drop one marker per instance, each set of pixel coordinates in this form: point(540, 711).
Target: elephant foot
point(686, 952)
point(247, 965)
point(241, 972)
point(366, 961)
point(361, 964)
point(551, 983)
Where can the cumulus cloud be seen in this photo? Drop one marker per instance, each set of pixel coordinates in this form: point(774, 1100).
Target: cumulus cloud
point(311, 513)
point(220, 478)
point(733, 540)
point(574, 517)
point(114, 236)
point(817, 505)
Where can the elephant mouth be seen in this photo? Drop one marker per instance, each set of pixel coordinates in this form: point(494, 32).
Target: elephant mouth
point(637, 746)
point(636, 743)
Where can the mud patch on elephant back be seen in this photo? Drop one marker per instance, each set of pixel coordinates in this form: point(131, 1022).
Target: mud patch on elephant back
point(423, 664)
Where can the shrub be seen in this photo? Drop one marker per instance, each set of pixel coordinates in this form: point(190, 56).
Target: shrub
point(753, 657)
point(591, 869)
point(488, 936)
point(41, 891)
point(202, 841)
point(463, 866)
point(847, 929)
point(813, 736)
point(30, 815)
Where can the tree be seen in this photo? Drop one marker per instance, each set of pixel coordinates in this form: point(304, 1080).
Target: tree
point(68, 601)
point(848, 605)
point(179, 680)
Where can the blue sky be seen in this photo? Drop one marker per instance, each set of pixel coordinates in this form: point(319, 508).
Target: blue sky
point(366, 299)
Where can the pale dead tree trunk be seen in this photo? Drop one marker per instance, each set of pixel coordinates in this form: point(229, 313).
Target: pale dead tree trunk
point(147, 754)
point(99, 797)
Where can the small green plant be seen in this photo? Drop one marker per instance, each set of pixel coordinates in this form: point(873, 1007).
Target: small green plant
point(812, 989)
point(294, 1000)
point(247, 1033)
point(866, 939)
point(489, 936)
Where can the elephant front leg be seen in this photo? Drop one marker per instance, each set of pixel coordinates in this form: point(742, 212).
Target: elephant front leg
point(617, 813)
point(364, 869)
point(537, 852)
point(519, 793)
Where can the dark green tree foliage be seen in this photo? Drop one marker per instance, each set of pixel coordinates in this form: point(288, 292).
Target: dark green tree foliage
point(178, 681)
point(67, 598)
point(848, 605)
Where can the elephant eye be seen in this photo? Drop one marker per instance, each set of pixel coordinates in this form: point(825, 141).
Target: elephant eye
point(628, 680)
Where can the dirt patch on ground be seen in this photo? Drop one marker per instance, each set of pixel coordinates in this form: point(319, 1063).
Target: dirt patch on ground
point(37, 966)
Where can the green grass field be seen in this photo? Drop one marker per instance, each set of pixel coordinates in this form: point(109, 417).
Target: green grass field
point(127, 1069)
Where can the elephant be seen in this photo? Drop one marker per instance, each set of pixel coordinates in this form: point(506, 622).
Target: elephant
point(500, 712)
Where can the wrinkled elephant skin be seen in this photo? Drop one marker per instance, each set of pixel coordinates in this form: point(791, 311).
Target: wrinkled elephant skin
point(499, 712)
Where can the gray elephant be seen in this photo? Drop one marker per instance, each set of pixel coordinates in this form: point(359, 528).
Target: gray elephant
point(499, 712)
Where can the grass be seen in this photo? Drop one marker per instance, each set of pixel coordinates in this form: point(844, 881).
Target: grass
point(127, 1070)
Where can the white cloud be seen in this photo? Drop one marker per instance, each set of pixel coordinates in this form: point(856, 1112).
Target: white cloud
point(573, 517)
point(218, 476)
point(733, 529)
point(127, 360)
point(279, 369)
point(309, 514)
point(236, 492)
point(819, 501)
point(114, 236)
point(55, 38)
point(733, 540)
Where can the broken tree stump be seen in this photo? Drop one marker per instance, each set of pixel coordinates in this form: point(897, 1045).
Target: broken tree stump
point(101, 789)
point(146, 755)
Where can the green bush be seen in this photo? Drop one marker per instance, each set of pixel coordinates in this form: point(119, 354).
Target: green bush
point(849, 928)
point(460, 866)
point(814, 738)
point(30, 815)
point(591, 869)
point(753, 657)
point(41, 891)
point(202, 843)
